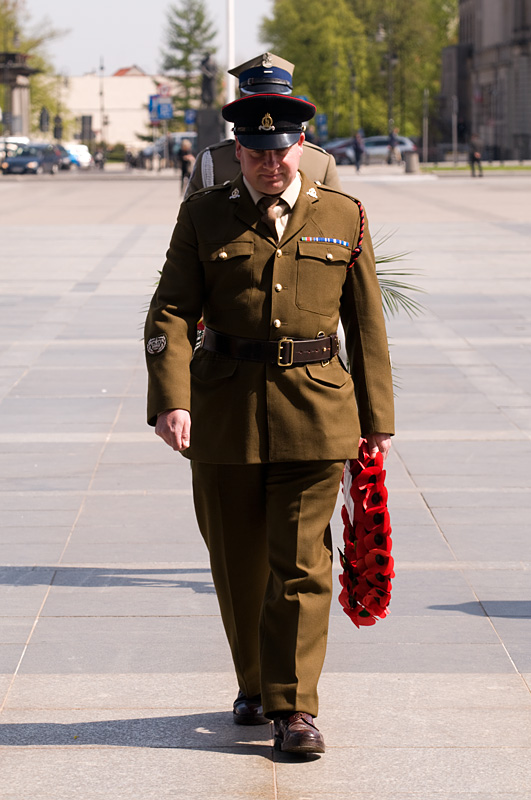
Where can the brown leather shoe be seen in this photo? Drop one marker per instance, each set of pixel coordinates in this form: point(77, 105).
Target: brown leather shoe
point(248, 710)
point(298, 734)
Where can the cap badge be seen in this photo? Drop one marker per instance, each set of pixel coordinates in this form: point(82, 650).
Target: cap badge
point(267, 61)
point(267, 123)
point(312, 192)
point(235, 194)
point(156, 345)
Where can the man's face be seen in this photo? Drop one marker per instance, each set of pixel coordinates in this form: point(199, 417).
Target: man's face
point(270, 171)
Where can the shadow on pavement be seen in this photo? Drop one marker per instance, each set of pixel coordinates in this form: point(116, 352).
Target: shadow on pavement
point(514, 609)
point(107, 576)
point(205, 731)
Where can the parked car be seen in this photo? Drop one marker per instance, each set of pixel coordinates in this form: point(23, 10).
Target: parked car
point(158, 147)
point(80, 155)
point(9, 144)
point(33, 158)
point(342, 150)
point(64, 156)
point(377, 148)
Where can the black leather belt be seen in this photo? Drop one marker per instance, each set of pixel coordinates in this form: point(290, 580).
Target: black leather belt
point(283, 352)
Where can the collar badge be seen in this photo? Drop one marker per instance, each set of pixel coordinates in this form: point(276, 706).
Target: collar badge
point(267, 123)
point(235, 194)
point(312, 193)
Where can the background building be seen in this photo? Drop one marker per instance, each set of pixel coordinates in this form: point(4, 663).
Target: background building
point(117, 104)
point(487, 78)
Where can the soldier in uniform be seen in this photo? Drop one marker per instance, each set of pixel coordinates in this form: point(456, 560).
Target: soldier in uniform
point(263, 408)
point(218, 163)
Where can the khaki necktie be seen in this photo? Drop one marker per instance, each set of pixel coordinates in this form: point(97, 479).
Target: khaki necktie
point(272, 208)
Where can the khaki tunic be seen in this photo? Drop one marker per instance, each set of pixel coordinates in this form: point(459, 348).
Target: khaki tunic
point(223, 264)
point(218, 163)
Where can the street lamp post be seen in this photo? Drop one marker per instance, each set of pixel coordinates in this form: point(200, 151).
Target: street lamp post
point(425, 118)
point(230, 94)
point(103, 118)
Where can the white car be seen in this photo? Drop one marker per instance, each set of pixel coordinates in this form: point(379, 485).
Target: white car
point(80, 155)
point(377, 148)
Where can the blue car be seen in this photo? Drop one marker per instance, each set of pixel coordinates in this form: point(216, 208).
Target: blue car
point(32, 158)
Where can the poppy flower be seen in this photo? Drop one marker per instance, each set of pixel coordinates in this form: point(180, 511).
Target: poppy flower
point(375, 496)
point(376, 540)
point(372, 517)
point(377, 562)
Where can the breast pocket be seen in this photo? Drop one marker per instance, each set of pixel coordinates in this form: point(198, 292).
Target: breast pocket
point(229, 271)
point(321, 271)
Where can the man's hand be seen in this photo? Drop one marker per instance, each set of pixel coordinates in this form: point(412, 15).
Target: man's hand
point(174, 427)
point(378, 442)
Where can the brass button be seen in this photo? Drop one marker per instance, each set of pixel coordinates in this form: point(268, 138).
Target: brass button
point(277, 323)
point(278, 287)
point(279, 253)
point(223, 255)
point(329, 257)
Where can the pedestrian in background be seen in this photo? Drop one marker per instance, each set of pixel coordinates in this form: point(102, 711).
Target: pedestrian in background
point(394, 149)
point(186, 162)
point(474, 156)
point(359, 150)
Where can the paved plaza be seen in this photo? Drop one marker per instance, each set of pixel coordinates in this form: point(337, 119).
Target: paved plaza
point(115, 677)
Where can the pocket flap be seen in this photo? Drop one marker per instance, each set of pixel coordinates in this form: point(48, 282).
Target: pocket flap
point(332, 374)
point(324, 251)
point(226, 251)
point(212, 367)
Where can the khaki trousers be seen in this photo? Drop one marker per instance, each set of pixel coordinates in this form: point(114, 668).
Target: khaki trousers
point(267, 530)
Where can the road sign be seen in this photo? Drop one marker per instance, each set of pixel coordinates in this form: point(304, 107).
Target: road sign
point(165, 90)
point(165, 110)
point(153, 106)
point(190, 116)
point(159, 108)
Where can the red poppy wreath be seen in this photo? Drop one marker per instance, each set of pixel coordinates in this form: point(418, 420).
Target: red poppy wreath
point(367, 562)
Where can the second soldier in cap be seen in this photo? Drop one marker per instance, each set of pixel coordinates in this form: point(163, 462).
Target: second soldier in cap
point(266, 73)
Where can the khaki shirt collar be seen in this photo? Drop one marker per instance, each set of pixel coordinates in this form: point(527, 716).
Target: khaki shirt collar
point(290, 194)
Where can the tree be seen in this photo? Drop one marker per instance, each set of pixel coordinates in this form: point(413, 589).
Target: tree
point(405, 40)
point(364, 61)
point(189, 38)
point(325, 40)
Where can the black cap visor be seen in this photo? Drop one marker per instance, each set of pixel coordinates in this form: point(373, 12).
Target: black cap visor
point(267, 141)
point(277, 87)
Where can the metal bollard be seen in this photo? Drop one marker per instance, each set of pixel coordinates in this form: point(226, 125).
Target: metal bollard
point(412, 161)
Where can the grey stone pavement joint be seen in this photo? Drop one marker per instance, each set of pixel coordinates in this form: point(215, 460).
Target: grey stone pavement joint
point(115, 677)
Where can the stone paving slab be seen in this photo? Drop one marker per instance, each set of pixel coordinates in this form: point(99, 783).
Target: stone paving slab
point(109, 629)
point(96, 773)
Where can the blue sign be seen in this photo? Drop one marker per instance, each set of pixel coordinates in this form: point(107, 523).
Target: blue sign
point(159, 108)
point(165, 110)
point(190, 116)
point(153, 107)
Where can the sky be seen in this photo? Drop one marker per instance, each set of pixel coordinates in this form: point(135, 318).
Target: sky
point(127, 32)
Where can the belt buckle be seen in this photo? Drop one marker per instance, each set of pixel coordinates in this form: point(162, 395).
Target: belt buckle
point(325, 362)
point(281, 343)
